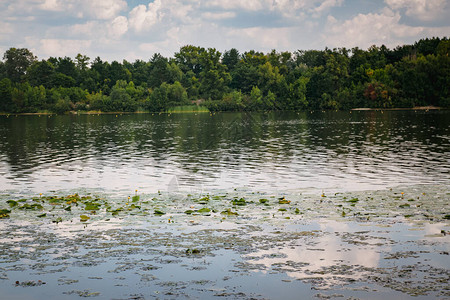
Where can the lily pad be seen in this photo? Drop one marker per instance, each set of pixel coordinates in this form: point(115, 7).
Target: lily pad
point(228, 212)
point(92, 206)
point(283, 201)
point(239, 202)
point(12, 203)
point(4, 213)
point(353, 200)
point(84, 218)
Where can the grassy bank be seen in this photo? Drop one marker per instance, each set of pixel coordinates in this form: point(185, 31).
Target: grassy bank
point(188, 109)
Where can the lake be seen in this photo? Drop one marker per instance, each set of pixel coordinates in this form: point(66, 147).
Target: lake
point(337, 151)
point(283, 205)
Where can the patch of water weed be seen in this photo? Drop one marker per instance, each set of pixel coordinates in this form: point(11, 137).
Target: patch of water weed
point(84, 293)
point(31, 243)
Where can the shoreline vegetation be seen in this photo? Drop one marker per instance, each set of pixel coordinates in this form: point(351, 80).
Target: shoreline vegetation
point(203, 109)
point(197, 79)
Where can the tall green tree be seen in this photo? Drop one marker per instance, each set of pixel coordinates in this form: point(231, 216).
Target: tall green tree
point(41, 73)
point(6, 104)
point(17, 61)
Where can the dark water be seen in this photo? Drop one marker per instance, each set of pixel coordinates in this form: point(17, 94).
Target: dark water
point(277, 151)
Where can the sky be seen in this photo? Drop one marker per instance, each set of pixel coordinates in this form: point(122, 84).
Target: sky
point(137, 29)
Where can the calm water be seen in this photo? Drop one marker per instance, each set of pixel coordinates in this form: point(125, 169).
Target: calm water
point(278, 151)
point(379, 244)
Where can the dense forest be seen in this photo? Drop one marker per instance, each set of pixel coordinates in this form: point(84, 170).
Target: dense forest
point(407, 76)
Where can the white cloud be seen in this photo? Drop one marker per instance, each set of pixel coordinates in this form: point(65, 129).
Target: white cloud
point(89, 29)
point(365, 30)
point(327, 4)
point(104, 9)
point(52, 5)
point(118, 27)
point(6, 29)
point(95, 30)
point(260, 38)
point(141, 18)
point(168, 13)
point(112, 30)
point(424, 10)
point(55, 47)
point(96, 9)
point(219, 16)
point(252, 5)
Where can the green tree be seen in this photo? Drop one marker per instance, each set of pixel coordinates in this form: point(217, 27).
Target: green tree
point(214, 77)
point(188, 59)
point(6, 104)
point(176, 95)
point(41, 73)
point(17, 62)
point(159, 98)
point(230, 59)
point(159, 71)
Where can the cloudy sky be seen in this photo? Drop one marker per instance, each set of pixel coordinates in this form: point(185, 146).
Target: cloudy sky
point(136, 29)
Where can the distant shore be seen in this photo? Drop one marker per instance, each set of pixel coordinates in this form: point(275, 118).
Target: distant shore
point(402, 108)
point(145, 112)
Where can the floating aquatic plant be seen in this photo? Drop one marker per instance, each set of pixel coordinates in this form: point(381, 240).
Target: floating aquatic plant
point(4, 213)
point(239, 202)
point(283, 200)
point(228, 212)
point(84, 218)
point(353, 200)
point(204, 210)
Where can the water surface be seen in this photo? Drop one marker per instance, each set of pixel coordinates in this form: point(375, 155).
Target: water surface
point(341, 151)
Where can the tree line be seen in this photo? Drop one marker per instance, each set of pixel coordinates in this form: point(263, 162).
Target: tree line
point(379, 77)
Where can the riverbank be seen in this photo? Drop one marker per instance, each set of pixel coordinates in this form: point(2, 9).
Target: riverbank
point(205, 110)
point(400, 108)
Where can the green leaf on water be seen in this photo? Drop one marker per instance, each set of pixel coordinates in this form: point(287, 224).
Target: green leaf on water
point(42, 215)
point(34, 206)
point(283, 201)
point(204, 210)
point(57, 220)
point(92, 206)
point(12, 203)
point(84, 218)
point(4, 213)
point(135, 198)
point(239, 202)
point(263, 200)
point(159, 213)
point(228, 212)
